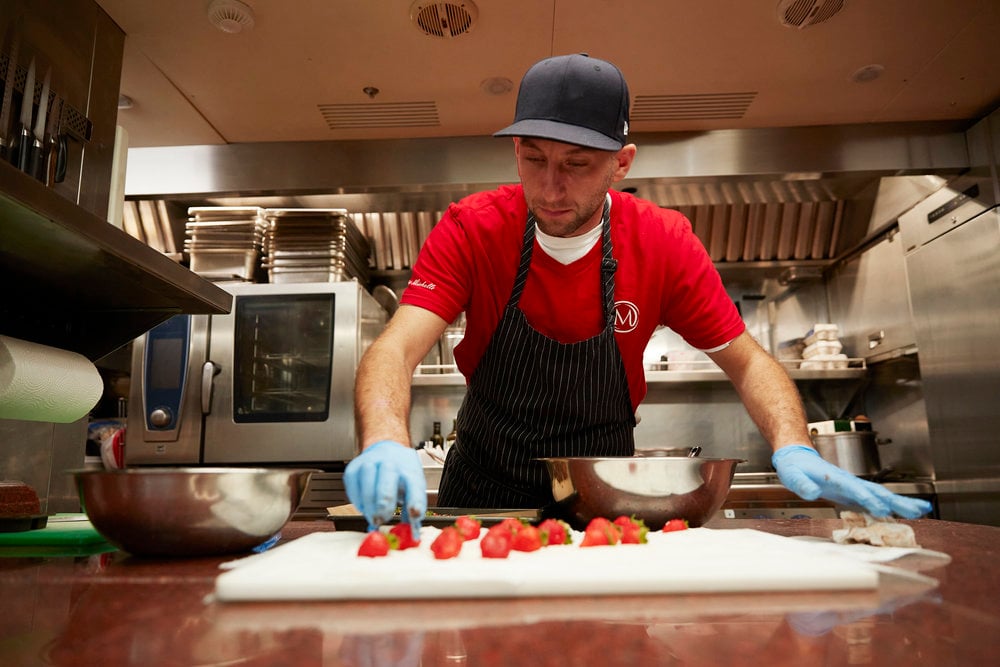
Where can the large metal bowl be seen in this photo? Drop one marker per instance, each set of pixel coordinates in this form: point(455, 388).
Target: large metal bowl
point(190, 511)
point(652, 488)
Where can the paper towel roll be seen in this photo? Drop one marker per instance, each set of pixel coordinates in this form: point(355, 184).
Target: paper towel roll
point(46, 384)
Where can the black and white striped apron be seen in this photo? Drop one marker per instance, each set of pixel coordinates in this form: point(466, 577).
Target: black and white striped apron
point(532, 396)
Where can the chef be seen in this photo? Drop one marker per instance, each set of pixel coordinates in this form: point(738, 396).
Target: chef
point(563, 281)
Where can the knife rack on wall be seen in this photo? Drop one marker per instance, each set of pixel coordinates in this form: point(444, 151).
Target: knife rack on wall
point(64, 122)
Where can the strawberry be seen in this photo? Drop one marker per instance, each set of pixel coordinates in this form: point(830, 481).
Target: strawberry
point(675, 524)
point(404, 536)
point(447, 544)
point(497, 542)
point(468, 527)
point(554, 531)
point(527, 539)
point(512, 524)
point(633, 530)
point(600, 532)
point(375, 544)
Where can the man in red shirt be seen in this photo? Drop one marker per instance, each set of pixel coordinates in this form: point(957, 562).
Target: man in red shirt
point(563, 282)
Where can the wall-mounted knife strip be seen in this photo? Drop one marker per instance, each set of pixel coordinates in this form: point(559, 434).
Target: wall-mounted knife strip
point(71, 121)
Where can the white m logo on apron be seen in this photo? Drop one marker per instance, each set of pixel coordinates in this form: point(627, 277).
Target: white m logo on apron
point(626, 316)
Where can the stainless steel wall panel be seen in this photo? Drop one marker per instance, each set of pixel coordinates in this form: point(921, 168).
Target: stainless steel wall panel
point(955, 291)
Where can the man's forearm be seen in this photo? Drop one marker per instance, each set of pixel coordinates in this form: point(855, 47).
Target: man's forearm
point(382, 397)
point(768, 393)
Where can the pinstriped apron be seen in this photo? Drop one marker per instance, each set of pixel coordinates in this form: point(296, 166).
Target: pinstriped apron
point(532, 396)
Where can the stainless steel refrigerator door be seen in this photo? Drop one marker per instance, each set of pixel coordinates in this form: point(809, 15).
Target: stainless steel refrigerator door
point(286, 356)
point(179, 443)
point(955, 294)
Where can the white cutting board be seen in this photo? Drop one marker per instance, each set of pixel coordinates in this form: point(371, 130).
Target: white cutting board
point(325, 566)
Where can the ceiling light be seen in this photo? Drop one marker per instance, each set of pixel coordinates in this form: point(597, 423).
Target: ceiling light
point(230, 16)
point(125, 102)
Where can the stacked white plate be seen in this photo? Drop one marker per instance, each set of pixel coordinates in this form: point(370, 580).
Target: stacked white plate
point(314, 245)
point(224, 242)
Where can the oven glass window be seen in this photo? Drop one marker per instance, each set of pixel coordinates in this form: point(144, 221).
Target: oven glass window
point(283, 358)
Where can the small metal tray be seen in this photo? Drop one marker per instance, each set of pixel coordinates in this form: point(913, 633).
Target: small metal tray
point(441, 517)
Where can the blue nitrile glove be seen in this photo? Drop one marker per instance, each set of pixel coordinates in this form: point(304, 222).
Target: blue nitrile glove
point(807, 475)
point(383, 476)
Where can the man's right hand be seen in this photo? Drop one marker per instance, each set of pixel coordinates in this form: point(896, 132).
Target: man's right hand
point(385, 475)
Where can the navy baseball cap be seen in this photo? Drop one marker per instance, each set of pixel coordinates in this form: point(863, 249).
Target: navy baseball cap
point(575, 99)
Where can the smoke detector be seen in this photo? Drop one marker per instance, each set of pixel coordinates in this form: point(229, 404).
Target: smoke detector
point(230, 16)
point(806, 13)
point(444, 19)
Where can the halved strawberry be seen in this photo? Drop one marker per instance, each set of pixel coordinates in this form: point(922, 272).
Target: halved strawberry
point(675, 524)
point(600, 532)
point(527, 539)
point(447, 544)
point(375, 544)
point(497, 541)
point(404, 536)
point(468, 527)
point(633, 530)
point(555, 531)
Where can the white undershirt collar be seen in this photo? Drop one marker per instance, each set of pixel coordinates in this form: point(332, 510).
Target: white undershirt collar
point(567, 250)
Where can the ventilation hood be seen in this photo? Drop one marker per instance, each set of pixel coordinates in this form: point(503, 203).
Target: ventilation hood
point(790, 199)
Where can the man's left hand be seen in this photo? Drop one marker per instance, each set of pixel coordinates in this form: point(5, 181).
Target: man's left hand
point(805, 473)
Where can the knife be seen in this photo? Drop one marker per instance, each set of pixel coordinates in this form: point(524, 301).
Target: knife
point(37, 149)
point(22, 140)
point(8, 94)
point(51, 161)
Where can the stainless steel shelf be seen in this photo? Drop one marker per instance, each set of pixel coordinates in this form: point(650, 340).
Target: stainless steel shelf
point(705, 372)
point(76, 282)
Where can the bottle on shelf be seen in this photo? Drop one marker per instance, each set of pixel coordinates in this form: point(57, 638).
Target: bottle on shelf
point(436, 438)
point(449, 439)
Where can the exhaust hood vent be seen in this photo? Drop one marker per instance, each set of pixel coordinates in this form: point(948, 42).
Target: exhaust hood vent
point(444, 19)
point(805, 13)
point(392, 114)
point(707, 106)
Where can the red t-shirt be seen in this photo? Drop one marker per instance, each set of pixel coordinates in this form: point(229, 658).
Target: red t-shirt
point(664, 276)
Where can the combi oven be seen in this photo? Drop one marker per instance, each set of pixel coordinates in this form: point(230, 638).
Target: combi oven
point(270, 382)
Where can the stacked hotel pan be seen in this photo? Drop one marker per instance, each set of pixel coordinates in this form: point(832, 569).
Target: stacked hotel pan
point(224, 242)
point(304, 245)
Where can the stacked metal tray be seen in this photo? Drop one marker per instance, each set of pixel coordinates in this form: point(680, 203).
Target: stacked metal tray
point(225, 242)
point(304, 245)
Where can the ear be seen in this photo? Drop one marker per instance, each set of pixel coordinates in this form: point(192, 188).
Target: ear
point(623, 162)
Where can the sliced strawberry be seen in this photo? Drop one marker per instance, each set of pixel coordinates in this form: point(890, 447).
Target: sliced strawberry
point(468, 527)
point(447, 544)
point(497, 542)
point(527, 539)
point(375, 544)
point(675, 524)
point(555, 531)
point(404, 536)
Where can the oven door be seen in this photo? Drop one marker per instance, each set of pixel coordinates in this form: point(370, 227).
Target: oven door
point(165, 420)
point(283, 372)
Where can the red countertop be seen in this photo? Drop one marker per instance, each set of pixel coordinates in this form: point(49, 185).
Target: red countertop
point(113, 609)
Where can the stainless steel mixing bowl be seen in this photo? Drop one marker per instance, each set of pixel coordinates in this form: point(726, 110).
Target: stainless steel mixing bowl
point(190, 511)
point(652, 488)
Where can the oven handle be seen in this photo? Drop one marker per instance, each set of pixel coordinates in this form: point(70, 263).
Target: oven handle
point(208, 371)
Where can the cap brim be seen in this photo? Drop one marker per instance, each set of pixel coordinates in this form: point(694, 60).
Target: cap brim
point(556, 131)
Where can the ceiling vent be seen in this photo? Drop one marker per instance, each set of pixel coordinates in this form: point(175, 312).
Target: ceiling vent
point(444, 19)
point(704, 106)
point(230, 16)
point(805, 13)
point(366, 116)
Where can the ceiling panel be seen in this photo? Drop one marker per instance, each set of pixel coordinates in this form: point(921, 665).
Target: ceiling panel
point(193, 84)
